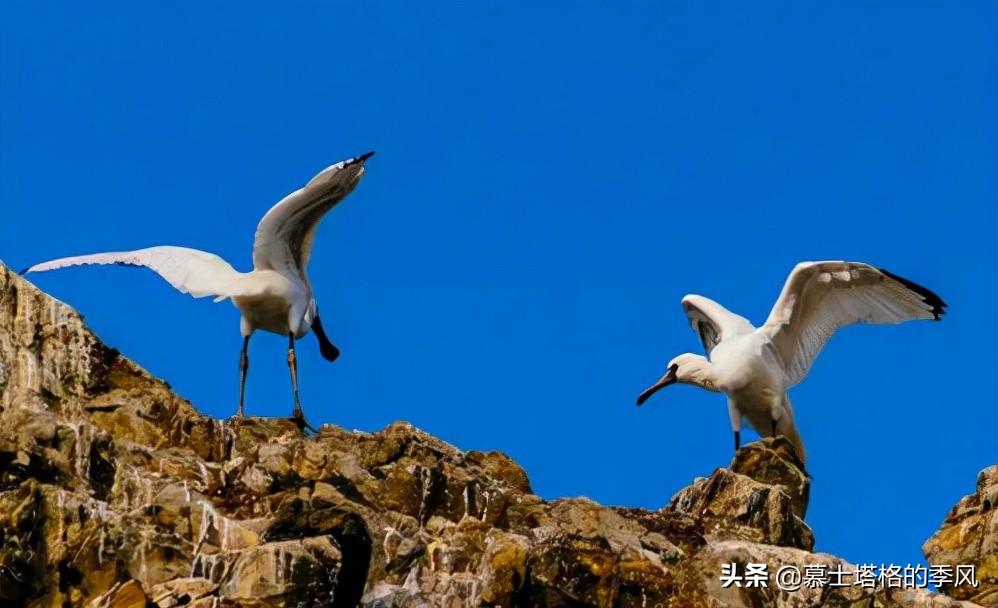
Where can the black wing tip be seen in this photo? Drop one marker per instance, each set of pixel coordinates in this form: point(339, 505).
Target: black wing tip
point(930, 297)
point(24, 272)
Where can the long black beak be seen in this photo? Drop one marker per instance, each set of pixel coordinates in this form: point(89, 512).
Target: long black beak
point(329, 352)
point(664, 381)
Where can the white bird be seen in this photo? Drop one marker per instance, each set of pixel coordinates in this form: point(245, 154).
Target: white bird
point(275, 296)
point(756, 366)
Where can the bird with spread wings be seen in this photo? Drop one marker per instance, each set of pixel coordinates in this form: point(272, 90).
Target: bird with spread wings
point(275, 296)
point(756, 366)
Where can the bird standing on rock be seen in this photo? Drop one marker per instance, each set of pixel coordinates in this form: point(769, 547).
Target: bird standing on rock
point(275, 296)
point(756, 366)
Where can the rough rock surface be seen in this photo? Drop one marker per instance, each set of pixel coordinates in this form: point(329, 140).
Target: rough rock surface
point(970, 536)
point(115, 492)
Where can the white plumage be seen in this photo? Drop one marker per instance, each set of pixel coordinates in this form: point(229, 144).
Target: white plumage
point(276, 295)
point(190, 271)
point(756, 366)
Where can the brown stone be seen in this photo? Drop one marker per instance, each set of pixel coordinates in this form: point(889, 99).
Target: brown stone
point(969, 537)
point(122, 595)
point(115, 492)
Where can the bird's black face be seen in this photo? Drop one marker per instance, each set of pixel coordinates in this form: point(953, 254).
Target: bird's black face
point(669, 378)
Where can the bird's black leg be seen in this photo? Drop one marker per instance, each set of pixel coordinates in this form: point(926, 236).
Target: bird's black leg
point(774, 427)
point(297, 416)
point(243, 368)
point(738, 440)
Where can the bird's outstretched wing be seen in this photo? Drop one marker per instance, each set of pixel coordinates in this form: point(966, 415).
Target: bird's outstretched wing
point(820, 297)
point(284, 236)
point(713, 322)
point(198, 273)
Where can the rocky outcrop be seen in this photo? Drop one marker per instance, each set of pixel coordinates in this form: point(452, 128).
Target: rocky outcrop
point(115, 492)
point(969, 536)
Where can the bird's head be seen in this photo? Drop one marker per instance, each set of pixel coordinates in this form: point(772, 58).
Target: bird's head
point(353, 168)
point(341, 177)
point(358, 161)
point(686, 368)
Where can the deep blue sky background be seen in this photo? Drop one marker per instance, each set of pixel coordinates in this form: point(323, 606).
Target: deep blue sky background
point(549, 183)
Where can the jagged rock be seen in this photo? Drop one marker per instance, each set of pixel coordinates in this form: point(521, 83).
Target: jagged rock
point(19, 515)
point(116, 492)
point(777, 466)
point(969, 536)
point(732, 505)
point(122, 595)
point(184, 592)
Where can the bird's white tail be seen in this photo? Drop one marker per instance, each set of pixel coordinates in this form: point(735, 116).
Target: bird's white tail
point(788, 428)
point(795, 439)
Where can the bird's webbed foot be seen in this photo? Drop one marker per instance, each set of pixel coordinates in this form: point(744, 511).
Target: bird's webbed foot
point(298, 417)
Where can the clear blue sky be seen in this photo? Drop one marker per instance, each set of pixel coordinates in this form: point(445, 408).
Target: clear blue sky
point(548, 184)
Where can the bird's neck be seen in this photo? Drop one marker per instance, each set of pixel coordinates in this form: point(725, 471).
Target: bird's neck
point(700, 372)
